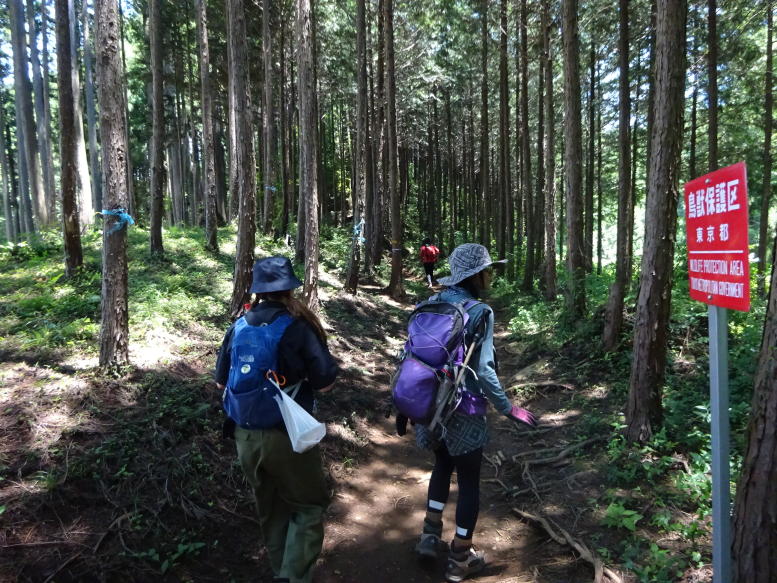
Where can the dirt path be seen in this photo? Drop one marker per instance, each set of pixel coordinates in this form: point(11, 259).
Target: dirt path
point(379, 502)
point(108, 481)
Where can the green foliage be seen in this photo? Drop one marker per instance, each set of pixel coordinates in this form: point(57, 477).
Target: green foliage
point(619, 516)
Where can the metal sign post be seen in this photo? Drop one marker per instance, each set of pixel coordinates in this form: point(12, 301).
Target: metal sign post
point(721, 522)
point(719, 275)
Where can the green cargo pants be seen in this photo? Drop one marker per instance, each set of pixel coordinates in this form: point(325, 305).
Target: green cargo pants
point(291, 497)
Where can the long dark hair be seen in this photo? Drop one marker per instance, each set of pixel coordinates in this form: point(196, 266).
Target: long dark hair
point(296, 308)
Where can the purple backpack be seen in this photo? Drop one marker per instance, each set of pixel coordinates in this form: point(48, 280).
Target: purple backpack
point(423, 385)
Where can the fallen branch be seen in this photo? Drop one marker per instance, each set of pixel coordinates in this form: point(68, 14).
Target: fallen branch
point(563, 385)
point(248, 518)
point(107, 530)
point(563, 454)
point(63, 565)
point(40, 544)
point(564, 538)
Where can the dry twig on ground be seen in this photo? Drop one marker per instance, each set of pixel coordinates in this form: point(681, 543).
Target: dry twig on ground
point(562, 537)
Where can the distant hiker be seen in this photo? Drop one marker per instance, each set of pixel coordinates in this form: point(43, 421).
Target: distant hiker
point(429, 255)
point(460, 446)
point(279, 338)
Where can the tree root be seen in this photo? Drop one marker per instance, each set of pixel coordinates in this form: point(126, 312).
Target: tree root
point(564, 538)
point(562, 454)
point(561, 384)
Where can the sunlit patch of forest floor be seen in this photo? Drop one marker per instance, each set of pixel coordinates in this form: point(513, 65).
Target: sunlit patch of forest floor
point(127, 477)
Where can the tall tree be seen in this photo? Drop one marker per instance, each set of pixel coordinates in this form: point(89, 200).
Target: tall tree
point(242, 167)
point(40, 85)
point(208, 146)
point(157, 128)
point(712, 79)
point(67, 144)
point(755, 506)
point(396, 289)
point(644, 411)
point(114, 330)
point(613, 320)
point(484, 147)
point(766, 194)
point(10, 200)
point(573, 158)
point(505, 198)
point(85, 204)
point(588, 220)
point(360, 180)
point(25, 119)
point(268, 117)
point(550, 159)
point(526, 181)
point(91, 109)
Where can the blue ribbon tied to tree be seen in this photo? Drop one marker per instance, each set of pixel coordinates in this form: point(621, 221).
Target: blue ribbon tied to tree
point(358, 231)
point(122, 218)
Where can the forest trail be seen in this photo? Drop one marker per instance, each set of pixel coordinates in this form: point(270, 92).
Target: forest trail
point(128, 479)
point(379, 501)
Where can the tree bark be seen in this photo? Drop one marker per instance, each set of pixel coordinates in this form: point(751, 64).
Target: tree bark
point(114, 330)
point(362, 113)
point(712, 77)
point(67, 145)
point(208, 145)
point(505, 196)
point(10, 209)
point(396, 287)
point(242, 163)
point(85, 202)
point(573, 161)
point(40, 86)
point(526, 182)
point(484, 147)
point(157, 128)
point(91, 110)
point(613, 319)
point(550, 160)
point(588, 221)
point(644, 410)
point(25, 119)
point(308, 128)
point(268, 118)
point(755, 506)
point(766, 195)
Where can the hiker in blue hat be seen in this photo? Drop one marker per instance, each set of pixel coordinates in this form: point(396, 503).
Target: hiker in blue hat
point(289, 488)
point(461, 446)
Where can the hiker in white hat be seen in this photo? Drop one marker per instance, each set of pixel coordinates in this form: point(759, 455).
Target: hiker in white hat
point(461, 446)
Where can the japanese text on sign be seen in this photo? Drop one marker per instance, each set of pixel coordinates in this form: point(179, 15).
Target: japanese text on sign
point(716, 223)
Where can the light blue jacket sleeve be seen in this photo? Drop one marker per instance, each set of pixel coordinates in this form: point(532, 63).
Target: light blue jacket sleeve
point(483, 363)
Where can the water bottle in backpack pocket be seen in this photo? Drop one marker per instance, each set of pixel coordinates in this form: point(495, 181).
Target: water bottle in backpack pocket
point(249, 394)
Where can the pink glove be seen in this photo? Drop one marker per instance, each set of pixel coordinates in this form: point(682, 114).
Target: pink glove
point(522, 415)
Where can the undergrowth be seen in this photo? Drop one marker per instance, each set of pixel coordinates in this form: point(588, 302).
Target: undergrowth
point(662, 487)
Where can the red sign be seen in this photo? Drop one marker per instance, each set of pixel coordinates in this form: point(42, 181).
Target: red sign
point(716, 225)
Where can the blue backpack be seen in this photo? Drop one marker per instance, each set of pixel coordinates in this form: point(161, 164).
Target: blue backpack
point(248, 397)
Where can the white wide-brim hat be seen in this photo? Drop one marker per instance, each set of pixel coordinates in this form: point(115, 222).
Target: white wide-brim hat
point(467, 260)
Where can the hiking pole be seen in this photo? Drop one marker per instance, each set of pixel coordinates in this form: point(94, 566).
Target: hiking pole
point(451, 393)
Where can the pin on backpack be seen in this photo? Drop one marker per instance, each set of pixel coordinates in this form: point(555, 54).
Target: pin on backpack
point(426, 384)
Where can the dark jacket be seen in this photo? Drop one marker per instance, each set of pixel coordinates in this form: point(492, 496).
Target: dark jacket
point(302, 356)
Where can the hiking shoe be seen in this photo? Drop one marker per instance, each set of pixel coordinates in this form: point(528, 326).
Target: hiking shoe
point(462, 565)
point(430, 546)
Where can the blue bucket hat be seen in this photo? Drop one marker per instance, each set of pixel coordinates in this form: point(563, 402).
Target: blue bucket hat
point(273, 274)
point(467, 260)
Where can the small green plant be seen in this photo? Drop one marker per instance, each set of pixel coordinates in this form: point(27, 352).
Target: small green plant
point(619, 516)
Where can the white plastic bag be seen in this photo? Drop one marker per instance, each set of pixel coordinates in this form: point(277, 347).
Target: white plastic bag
point(303, 429)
